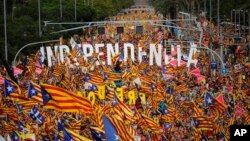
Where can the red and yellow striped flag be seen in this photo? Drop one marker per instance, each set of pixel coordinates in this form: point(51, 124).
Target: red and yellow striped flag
point(122, 130)
point(66, 101)
point(76, 136)
point(38, 97)
point(203, 123)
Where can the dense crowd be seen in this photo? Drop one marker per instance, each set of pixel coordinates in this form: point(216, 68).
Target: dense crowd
point(180, 103)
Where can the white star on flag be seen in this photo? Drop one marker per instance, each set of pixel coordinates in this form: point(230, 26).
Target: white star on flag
point(116, 137)
point(196, 122)
point(33, 91)
point(209, 100)
point(9, 88)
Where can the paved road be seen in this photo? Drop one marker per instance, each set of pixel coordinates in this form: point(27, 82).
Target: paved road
point(141, 2)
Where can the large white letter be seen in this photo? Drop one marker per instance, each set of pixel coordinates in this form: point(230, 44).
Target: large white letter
point(190, 55)
point(43, 53)
point(178, 55)
point(56, 50)
point(49, 55)
point(132, 51)
point(237, 132)
point(140, 54)
point(243, 131)
point(97, 50)
point(153, 53)
point(111, 52)
point(87, 50)
point(62, 47)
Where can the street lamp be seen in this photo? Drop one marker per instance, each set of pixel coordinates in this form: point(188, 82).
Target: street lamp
point(75, 12)
point(5, 31)
point(248, 22)
point(61, 9)
point(239, 22)
point(39, 18)
point(12, 14)
point(244, 21)
point(232, 15)
point(218, 14)
point(235, 11)
point(205, 6)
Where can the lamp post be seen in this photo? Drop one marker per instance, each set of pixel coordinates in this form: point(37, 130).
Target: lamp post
point(61, 9)
point(244, 22)
point(210, 11)
point(205, 6)
point(39, 19)
point(218, 15)
point(232, 15)
point(240, 22)
point(235, 21)
point(12, 14)
point(5, 30)
point(248, 22)
point(75, 12)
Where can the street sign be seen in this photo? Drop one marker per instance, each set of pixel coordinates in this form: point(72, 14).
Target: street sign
point(213, 66)
point(223, 71)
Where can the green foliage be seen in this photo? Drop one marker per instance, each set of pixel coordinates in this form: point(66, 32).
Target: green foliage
point(191, 6)
point(22, 19)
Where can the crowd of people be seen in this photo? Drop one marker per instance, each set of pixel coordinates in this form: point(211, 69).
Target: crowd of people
point(140, 102)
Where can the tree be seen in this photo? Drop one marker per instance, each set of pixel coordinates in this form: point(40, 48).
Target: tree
point(23, 29)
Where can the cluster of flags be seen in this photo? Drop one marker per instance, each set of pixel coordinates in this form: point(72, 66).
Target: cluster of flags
point(53, 109)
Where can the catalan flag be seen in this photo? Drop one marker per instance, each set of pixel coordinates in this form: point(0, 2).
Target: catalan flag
point(34, 93)
point(14, 136)
point(247, 119)
point(119, 114)
point(115, 130)
point(6, 127)
point(97, 118)
point(74, 136)
point(197, 110)
point(203, 123)
point(58, 71)
point(35, 114)
point(116, 58)
point(148, 124)
point(96, 135)
point(129, 114)
point(96, 79)
point(110, 130)
point(12, 91)
point(210, 101)
point(66, 101)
